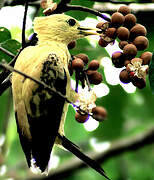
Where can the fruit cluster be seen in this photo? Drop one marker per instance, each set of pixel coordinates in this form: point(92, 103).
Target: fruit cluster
point(86, 72)
point(132, 38)
point(90, 74)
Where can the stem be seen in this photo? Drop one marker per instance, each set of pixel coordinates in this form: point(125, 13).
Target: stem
point(116, 148)
point(7, 52)
point(9, 68)
point(24, 25)
point(4, 74)
point(85, 9)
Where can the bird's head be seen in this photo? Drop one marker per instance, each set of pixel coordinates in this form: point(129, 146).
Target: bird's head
point(61, 28)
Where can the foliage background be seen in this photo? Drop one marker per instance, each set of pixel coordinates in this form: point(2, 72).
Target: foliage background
point(128, 115)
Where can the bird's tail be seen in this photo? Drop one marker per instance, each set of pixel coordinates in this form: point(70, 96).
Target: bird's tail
point(70, 146)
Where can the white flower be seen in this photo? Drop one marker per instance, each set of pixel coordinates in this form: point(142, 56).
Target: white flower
point(86, 100)
point(137, 67)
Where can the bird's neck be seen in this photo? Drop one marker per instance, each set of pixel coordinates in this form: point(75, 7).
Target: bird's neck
point(59, 48)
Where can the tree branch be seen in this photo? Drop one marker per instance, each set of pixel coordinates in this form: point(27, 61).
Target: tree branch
point(116, 148)
point(24, 25)
point(112, 7)
point(7, 52)
point(11, 69)
point(89, 10)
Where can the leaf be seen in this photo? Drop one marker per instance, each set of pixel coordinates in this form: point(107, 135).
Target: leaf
point(151, 75)
point(4, 34)
point(12, 46)
point(80, 15)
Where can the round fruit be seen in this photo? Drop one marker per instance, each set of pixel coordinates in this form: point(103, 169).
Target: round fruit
point(138, 82)
point(71, 45)
point(93, 65)
point(77, 64)
point(111, 32)
point(100, 25)
point(124, 10)
point(141, 42)
point(146, 57)
point(117, 19)
point(130, 51)
point(123, 33)
point(84, 57)
point(124, 76)
point(81, 118)
point(126, 63)
point(99, 113)
point(118, 59)
point(130, 20)
point(134, 60)
point(102, 42)
point(137, 30)
point(122, 44)
point(44, 4)
point(94, 77)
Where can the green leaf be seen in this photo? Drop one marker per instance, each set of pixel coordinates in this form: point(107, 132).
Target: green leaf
point(151, 74)
point(10, 45)
point(4, 34)
point(80, 15)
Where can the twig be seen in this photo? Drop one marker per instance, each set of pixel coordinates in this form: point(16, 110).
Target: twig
point(4, 74)
point(116, 148)
point(9, 68)
point(63, 7)
point(7, 52)
point(89, 10)
point(24, 25)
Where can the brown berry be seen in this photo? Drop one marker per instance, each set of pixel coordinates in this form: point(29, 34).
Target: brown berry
point(70, 69)
point(77, 64)
point(93, 65)
point(126, 63)
point(118, 59)
point(124, 10)
point(137, 30)
point(130, 21)
point(81, 118)
point(44, 4)
point(94, 77)
point(71, 45)
point(100, 25)
point(117, 19)
point(123, 33)
point(99, 113)
point(138, 82)
point(102, 42)
point(111, 32)
point(136, 60)
point(84, 57)
point(141, 42)
point(124, 76)
point(122, 44)
point(130, 51)
point(146, 57)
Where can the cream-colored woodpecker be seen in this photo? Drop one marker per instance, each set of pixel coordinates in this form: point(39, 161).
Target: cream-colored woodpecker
point(40, 114)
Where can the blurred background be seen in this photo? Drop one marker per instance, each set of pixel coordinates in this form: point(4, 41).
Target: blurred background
point(123, 144)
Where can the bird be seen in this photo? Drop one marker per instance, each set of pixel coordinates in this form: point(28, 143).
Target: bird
point(40, 113)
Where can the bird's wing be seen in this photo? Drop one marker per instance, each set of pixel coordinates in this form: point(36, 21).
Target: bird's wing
point(42, 109)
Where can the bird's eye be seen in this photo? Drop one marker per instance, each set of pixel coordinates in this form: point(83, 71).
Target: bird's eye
point(71, 22)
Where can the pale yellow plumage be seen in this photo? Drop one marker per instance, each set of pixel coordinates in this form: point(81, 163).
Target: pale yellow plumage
point(54, 33)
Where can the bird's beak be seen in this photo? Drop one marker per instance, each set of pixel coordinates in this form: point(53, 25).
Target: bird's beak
point(89, 31)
